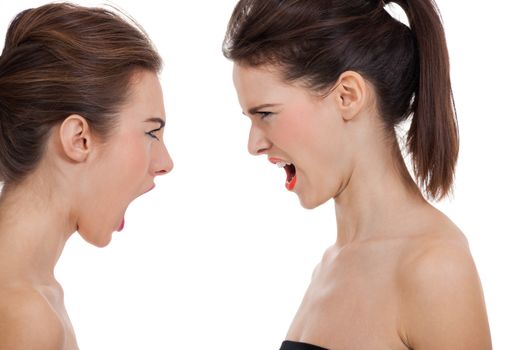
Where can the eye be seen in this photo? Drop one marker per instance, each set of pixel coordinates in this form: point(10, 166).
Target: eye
point(264, 115)
point(152, 134)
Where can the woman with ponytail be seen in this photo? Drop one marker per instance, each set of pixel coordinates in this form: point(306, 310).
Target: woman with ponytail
point(326, 84)
point(81, 136)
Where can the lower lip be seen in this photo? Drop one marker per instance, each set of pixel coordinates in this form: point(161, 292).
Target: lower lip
point(121, 226)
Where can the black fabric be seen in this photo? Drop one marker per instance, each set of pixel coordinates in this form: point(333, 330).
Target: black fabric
point(293, 345)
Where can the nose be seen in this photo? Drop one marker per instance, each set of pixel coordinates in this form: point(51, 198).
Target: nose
point(257, 142)
point(161, 163)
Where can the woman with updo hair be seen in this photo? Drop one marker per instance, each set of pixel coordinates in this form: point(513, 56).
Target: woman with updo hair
point(327, 85)
point(81, 136)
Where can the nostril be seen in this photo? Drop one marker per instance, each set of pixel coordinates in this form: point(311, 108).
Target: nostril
point(261, 151)
point(258, 151)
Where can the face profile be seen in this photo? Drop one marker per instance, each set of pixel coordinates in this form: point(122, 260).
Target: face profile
point(302, 131)
point(82, 123)
point(124, 167)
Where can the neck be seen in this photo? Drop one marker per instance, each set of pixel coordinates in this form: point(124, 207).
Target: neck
point(379, 195)
point(35, 224)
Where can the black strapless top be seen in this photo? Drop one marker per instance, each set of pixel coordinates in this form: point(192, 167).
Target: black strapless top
point(293, 345)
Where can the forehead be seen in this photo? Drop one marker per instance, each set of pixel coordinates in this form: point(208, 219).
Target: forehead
point(261, 77)
point(249, 74)
point(262, 84)
point(145, 96)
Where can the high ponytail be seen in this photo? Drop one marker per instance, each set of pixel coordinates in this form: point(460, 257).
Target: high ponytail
point(316, 41)
point(432, 140)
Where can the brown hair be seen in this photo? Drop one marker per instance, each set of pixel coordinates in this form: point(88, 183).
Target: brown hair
point(58, 60)
point(316, 41)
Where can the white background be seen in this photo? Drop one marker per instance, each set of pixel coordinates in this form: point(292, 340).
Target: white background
point(219, 255)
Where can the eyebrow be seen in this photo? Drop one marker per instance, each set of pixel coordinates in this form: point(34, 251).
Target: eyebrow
point(161, 121)
point(254, 110)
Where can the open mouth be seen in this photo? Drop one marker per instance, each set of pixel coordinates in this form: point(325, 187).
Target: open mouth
point(291, 177)
point(291, 173)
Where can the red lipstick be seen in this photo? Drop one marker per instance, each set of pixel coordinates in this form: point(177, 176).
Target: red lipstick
point(291, 178)
point(290, 185)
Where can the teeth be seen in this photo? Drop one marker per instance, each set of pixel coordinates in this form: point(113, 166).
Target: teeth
point(282, 164)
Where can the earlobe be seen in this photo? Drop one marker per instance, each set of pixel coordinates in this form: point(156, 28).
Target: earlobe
point(75, 138)
point(351, 94)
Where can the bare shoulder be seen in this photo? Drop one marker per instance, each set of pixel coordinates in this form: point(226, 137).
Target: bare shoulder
point(28, 321)
point(441, 295)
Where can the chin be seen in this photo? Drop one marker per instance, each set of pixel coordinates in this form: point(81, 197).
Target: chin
point(311, 203)
point(101, 244)
point(99, 239)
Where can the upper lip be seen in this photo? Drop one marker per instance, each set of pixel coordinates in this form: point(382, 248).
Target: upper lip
point(275, 160)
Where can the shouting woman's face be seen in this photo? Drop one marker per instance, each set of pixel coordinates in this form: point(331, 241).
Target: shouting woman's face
point(297, 130)
point(128, 161)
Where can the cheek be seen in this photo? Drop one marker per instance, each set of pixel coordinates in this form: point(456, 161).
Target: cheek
point(124, 173)
point(118, 179)
point(135, 157)
point(295, 128)
point(310, 136)
point(316, 140)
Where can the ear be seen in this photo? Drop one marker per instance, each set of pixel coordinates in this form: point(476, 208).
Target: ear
point(351, 94)
point(76, 138)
